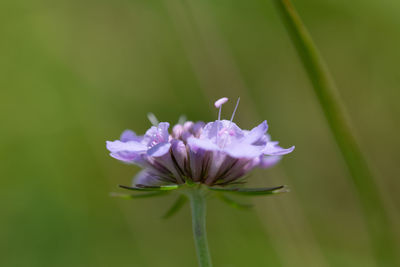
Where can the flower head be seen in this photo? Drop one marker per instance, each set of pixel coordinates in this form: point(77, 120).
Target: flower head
point(214, 153)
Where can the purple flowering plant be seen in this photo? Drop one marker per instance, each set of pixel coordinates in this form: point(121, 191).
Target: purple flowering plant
point(198, 159)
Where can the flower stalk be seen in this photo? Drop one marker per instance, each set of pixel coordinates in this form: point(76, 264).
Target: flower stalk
point(378, 223)
point(197, 197)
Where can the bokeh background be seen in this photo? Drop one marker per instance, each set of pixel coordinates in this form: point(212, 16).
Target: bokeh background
point(77, 73)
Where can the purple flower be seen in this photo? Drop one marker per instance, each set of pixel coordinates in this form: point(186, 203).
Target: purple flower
point(216, 153)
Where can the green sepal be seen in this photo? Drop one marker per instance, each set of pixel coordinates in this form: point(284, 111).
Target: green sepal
point(251, 191)
point(240, 181)
point(190, 182)
point(140, 195)
point(178, 204)
point(140, 187)
point(233, 203)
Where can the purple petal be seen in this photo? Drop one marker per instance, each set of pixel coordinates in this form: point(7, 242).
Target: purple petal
point(196, 143)
point(126, 151)
point(188, 125)
point(268, 161)
point(177, 131)
point(179, 152)
point(163, 128)
point(273, 149)
point(222, 133)
point(210, 130)
point(237, 170)
point(199, 163)
point(197, 128)
point(128, 157)
point(147, 178)
point(156, 135)
point(241, 150)
point(219, 164)
point(130, 146)
point(129, 135)
point(256, 133)
point(159, 150)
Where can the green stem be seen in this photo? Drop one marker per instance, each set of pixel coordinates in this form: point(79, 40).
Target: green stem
point(378, 223)
point(198, 205)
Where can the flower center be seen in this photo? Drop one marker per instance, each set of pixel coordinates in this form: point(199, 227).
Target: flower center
point(156, 140)
point(226, 131)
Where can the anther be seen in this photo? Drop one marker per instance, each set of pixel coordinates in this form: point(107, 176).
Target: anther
point(218, 104)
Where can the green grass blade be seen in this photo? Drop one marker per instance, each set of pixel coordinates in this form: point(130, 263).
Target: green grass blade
point(139, 195)
point(233, 203)
point(178, 204)
point(379, 227)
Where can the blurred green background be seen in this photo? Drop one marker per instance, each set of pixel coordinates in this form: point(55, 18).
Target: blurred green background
point(77, 73)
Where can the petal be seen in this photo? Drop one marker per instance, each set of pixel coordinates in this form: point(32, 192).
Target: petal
point(159, 150)
point(237, 170)
point(268, 161)
point(199, 163)
point(168, 167)
point(200, 155)
point(242, 150)
point(273, 149)
point(163, 128)
point(234, 130)
point(256, 133)
point(147, 178)
point(179, 153)
point(129, 135)
point(158, 134)
point(212, 129)
point(128, 157)
point(130, 146)
point(188, 125)
point(177, 131)
point(219, 165)
point(197, 128)
point(196, 143)
point(128, 152)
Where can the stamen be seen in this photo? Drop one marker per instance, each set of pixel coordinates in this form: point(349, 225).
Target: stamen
point(218, 104)
point(234, 111)
point(152, 118)
point(230, 123)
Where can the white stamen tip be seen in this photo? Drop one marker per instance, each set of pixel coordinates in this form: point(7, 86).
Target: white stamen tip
point(220, 102)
